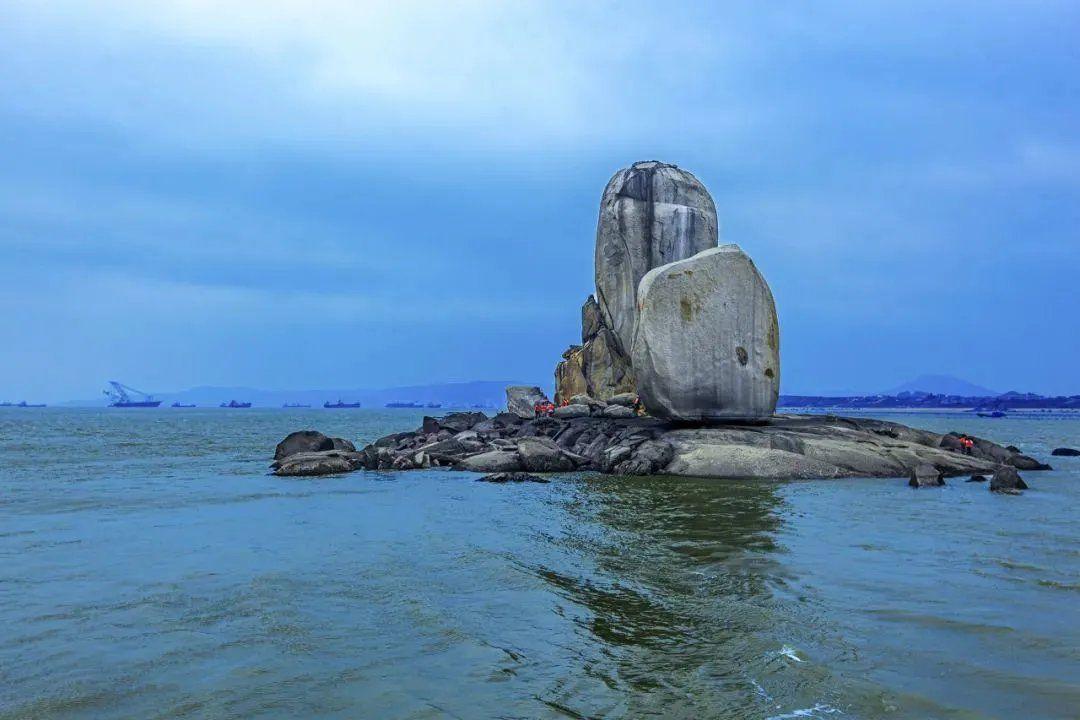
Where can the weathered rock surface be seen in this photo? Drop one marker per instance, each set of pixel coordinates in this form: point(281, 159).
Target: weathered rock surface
point(521, 399)
point(302, 441)
point(925, 476)
point(788, 446)
point(597, 367)
point(1065, 452)
point(1006, 480)
point(707, 345)
point(651, 214)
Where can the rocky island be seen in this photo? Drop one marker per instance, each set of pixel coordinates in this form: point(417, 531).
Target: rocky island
point(677, 373)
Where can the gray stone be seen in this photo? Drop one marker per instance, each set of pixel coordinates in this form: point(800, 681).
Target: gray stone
point(628, 399)
point(521, 400)
point(707, 346)
point(1026, 462)
point(343, 444)
point(302, 441)
point(571, 411)
point(492, 461)
point(617, 411)
point(307, 464)
point(925, 476)
point(1065, 452)
point(1006, 480)
point(543, 455)
point(590, 402)
point(651, 214)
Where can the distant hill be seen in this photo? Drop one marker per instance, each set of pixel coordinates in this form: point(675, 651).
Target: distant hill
point(942, 385)
point(486, 393)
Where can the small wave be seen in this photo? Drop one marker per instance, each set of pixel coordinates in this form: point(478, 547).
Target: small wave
point(816, 710)
point(789, 652)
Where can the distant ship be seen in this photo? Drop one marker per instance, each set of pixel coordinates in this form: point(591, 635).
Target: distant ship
point(26, 404)
point(404, 405)
point(295, 405)
point(235, 404)
point(340, 405)
point(183, 405)
point(434, 405)
point(121, 399)
point(6, 404)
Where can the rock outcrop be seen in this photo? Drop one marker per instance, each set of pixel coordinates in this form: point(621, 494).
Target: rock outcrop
point(597, 367)
point(651, 214)
point(707, 345)
point(1065, 452)
point(789, 446)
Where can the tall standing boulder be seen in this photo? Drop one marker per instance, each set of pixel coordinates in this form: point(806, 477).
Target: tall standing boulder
point(651, 214)
point(707, 345)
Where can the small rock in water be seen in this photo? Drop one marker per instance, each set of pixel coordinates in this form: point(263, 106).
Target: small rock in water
point(925, 476)
point(1066, 452)
point(302, 441)
point(976, 478)
point(505, 477)
point(1006, 480)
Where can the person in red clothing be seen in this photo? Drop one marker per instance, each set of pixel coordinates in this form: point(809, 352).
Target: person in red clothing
point(966, 444)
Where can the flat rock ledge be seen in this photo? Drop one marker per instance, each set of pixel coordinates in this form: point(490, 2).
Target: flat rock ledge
point(786, 447)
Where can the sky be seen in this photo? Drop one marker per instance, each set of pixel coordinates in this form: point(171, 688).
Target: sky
point(288, 194)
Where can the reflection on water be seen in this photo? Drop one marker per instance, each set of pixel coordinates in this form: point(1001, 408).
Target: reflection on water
point(150, 568)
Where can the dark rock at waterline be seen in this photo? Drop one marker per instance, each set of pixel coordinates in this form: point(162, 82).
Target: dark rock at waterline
point(1065, 452)
point(509, 477)
point(1012, 448)
point(1007, 480)
point(327, 462)
point(303, 441)
point(1025, 462)
point(925, 476)
point(343, 444)
point(976, 478)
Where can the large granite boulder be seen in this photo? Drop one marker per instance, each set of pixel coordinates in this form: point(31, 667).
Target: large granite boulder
point(651, 214)
point(597, 367)
point(521, 400)
point(707, 346)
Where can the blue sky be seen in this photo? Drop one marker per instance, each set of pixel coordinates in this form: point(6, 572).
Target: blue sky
point(369, 194)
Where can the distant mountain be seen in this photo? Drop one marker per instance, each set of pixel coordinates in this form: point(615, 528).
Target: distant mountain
point(942, 385)
point(487, 393)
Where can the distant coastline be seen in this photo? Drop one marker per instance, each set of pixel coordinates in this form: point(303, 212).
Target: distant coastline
point(935, 401)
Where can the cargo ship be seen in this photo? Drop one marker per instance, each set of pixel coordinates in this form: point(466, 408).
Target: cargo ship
point(295, 405)
point(121, 397)
point(340, 405)
point(27, 405)
point(183, 405)
point(235, 404)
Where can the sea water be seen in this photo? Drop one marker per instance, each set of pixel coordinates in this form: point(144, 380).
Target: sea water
point(151, 568)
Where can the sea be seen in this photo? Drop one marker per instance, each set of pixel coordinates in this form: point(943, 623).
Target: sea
point(151, 567)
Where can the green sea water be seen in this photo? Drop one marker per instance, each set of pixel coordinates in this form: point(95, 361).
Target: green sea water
point(151, 568)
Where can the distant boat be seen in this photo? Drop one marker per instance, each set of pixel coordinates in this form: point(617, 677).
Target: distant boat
point(340, 405)
point(995, 414)
point(404, 405)
point(295, 405)
point(235, 404)
point(25, 404)
point(122, 399)
point(182, 405)
point(434, 405)
point(6, 404)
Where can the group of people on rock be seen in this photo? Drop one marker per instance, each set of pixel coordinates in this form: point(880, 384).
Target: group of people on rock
point(545, 408)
